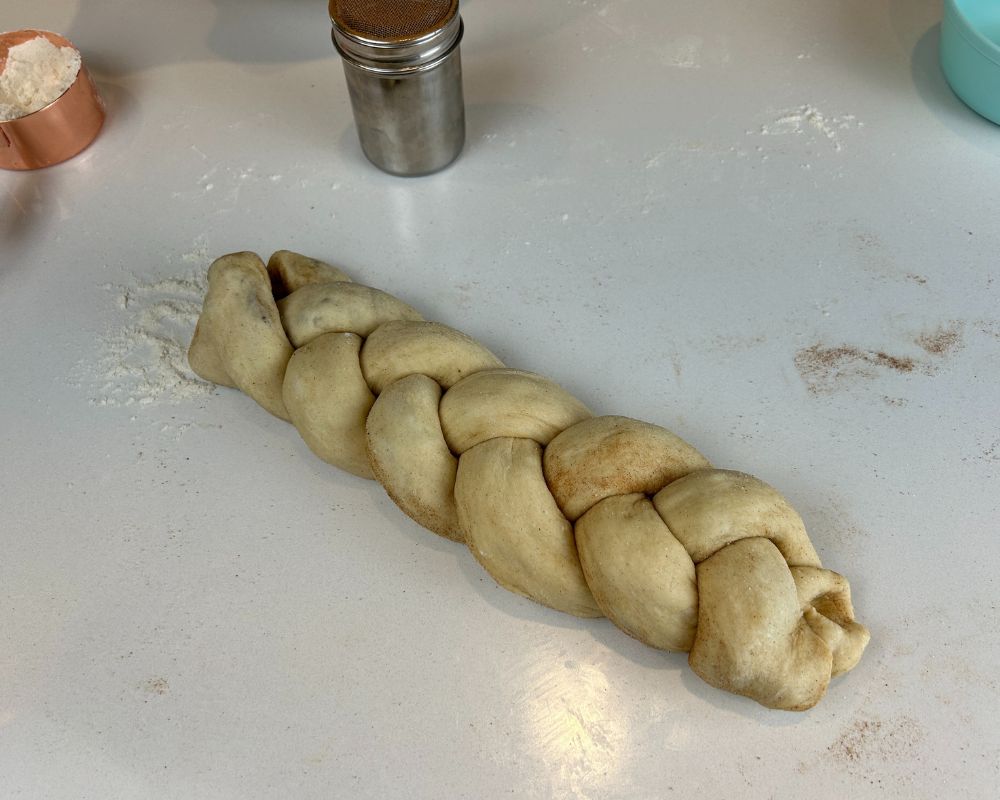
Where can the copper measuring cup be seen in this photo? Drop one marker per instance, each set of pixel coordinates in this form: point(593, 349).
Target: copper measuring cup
point(58, 131)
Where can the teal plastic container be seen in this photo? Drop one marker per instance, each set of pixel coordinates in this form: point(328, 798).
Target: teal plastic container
point(970, 53)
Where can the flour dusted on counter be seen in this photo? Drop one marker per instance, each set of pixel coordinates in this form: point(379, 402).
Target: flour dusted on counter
point(144, 360)
point(808, 118)
point(36, 73)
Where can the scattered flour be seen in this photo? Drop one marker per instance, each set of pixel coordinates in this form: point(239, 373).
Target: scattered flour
point(684, 53)
point(144, 360)
point(197, 255)
point(36, 73)
point(694, 52)
point(806, 119)
point(655, 161)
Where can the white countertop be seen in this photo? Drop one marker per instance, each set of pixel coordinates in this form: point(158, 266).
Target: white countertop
point(767, 226)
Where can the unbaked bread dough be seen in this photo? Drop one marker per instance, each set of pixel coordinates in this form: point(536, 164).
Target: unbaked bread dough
point(588, 515)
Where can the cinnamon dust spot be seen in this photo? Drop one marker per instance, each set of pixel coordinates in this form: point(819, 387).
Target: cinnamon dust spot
point(156, 686)
point(824, 368)
point(990, 327)
point(875, 739)
point(941, 341)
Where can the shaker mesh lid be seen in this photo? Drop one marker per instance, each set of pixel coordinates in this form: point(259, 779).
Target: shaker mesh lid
point(391, 20)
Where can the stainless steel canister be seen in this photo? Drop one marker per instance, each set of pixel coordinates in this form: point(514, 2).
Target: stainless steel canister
point(404, 73)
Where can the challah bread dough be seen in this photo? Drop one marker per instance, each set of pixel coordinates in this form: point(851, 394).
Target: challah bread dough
point(290, 271)
point(341, 307)
point(588, 515)
point(506, 402)
point(709, 509)
point(398, 349)
point(239, 341)
point(328, 400)
point(752, 636)
point(609, 456)
point(410, 457)
point(514, 527)
point(640, 575)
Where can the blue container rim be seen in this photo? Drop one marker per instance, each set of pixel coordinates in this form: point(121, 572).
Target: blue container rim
point(987, 47)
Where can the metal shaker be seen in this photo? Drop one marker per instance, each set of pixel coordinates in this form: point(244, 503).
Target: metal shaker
point(404, 74)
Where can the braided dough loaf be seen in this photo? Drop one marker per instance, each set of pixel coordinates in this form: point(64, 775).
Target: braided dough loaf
point(588, 515)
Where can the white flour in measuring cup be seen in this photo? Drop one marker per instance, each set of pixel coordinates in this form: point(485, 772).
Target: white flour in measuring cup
point(36, 73)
